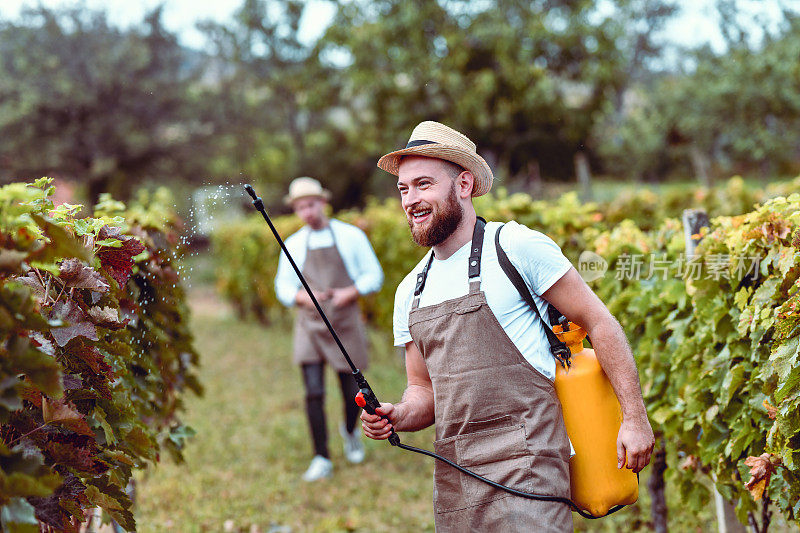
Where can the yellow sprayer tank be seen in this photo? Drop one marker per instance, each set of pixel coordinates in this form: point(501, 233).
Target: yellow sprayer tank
point(593, 417)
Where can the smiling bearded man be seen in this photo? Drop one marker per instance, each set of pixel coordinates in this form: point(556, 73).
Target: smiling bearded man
point(478, 361)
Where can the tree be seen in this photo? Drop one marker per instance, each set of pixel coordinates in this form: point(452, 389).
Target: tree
point(85, 100)
point(744, 106)
point(525, 80)
point(278, 113)
point(733, 111)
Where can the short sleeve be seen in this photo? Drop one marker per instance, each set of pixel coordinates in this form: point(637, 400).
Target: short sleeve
point(402, 306)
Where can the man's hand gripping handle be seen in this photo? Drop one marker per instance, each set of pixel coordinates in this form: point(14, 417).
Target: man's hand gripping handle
point(367, 400)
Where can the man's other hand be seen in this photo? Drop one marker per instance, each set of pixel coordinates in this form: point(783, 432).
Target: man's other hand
point(635, 444)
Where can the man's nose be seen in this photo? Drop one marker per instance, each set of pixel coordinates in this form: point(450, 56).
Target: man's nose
point(409, 198)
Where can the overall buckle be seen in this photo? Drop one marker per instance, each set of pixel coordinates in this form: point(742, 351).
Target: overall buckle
point(563, 354)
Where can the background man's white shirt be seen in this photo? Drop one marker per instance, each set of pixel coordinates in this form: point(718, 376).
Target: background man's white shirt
point(357, 254)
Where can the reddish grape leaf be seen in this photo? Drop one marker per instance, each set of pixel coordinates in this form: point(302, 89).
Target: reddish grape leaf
point(774, 229)
point(118, 261)
point(109, 232)
point(690, 463)
point(69, 454)
point(71, 382)
point(94, 358)
point(107, 317)
point(63, 413)
point(52, 510)
point(75, 273)
point(31, 394)
point(761, 469)
point(78, 323)
point(32, 280)
point(129, 311)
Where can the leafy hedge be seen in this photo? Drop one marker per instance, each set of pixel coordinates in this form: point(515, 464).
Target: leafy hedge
point(95, 355)
point(717, 348)
point(735, 368)
point(248, 254)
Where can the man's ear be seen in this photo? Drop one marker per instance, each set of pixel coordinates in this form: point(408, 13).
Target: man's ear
point(466, 181)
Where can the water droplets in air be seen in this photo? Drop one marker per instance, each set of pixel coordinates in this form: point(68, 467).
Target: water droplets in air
point(210, 207)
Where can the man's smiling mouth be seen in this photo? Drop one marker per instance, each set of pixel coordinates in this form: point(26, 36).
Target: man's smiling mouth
point(420, 214)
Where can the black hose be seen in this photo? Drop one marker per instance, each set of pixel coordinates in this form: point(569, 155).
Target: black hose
point(515, 492)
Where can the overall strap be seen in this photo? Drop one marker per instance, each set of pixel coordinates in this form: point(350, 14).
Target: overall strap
point(473, 265)
point(557, 348)
point(330, 229)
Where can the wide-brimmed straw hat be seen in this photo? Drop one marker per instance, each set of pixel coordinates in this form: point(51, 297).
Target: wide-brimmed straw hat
point(432, 139)
point(303, 188)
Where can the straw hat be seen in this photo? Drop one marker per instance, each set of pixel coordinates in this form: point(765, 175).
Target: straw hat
point(303, 188)
point(432, 139)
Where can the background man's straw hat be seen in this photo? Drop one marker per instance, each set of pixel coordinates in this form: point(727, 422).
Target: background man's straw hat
point(303, 188)
point(432, 139)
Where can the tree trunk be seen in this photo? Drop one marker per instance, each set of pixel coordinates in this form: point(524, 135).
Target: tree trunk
point(97, 186)
point(584, 174)
point(534, 181)
point(766, 517)
point(655, 485)
point(701, 164)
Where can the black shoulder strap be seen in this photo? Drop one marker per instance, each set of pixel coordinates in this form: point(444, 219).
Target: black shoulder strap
point(557, 348)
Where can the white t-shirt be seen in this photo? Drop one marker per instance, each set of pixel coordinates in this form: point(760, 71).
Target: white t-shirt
point(535, 256)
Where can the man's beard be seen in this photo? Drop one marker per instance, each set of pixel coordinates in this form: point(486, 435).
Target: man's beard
point(441, 225)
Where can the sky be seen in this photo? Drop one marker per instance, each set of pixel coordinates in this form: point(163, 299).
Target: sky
point(179, 15)
point(695, 25)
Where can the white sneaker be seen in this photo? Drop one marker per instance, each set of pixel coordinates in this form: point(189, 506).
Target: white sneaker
point(319, 468)
point(353, 447)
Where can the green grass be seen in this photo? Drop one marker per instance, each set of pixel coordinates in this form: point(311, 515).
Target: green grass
point(242, 471)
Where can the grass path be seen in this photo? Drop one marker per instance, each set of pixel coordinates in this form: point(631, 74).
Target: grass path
point(242, 471)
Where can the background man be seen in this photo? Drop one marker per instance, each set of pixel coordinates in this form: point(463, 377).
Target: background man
point(338, 263)
point(477, 358)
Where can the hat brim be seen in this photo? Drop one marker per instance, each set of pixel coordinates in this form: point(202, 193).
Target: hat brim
point(325, 195)
point(468, 160)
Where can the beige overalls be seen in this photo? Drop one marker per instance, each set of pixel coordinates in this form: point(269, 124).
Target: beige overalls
point(324, 269)
point(495, 415)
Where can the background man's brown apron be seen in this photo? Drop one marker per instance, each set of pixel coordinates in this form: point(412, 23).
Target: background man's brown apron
point(324, 269)
point(495, 415)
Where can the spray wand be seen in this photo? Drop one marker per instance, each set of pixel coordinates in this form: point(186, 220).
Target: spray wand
point(367, 400)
